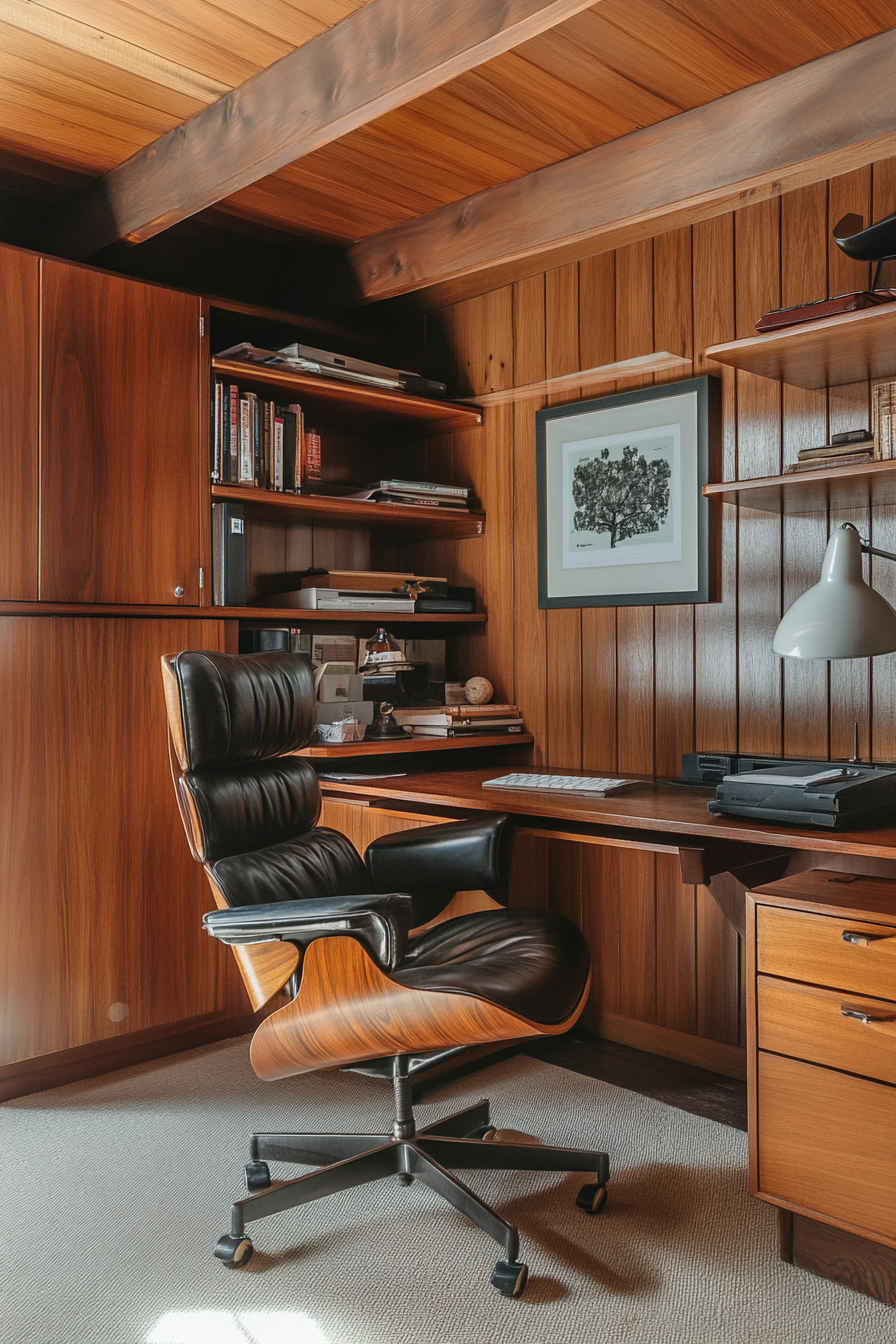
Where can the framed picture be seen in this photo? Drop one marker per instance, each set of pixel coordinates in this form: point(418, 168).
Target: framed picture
point(622, 520)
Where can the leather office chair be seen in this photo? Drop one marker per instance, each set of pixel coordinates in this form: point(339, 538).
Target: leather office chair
point(304, 914)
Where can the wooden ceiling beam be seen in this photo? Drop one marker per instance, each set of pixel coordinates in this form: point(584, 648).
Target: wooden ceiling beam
point(826, 117)
point(375, 60)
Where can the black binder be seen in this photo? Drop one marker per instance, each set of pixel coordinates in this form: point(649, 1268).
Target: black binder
point(229, 554)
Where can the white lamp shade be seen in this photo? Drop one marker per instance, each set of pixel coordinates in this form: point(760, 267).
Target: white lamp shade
point(841, 617)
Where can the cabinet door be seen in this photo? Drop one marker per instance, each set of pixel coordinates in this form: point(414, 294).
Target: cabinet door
point(120, 440)
point(18, 424)
point(101, 903)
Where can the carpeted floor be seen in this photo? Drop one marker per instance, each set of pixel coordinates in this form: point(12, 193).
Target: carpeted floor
point(116, 1190)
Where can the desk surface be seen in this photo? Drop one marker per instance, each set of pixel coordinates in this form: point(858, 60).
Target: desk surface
point(679, 810)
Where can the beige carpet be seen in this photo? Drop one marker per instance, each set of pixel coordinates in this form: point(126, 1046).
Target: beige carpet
point(115, 1191)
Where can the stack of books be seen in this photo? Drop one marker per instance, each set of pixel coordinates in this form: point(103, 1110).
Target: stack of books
point(844, 450)
point(883, 417)
point(427, 494)
point(460, 720)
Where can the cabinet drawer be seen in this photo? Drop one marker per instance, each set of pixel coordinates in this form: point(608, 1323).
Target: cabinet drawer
point(802, 946)
point(807, 1022)
point(827, 1142)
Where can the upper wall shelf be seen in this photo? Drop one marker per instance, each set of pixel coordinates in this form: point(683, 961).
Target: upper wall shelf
point(413, 520)
point(370, 407)
point(834, 488)
point(848, 348)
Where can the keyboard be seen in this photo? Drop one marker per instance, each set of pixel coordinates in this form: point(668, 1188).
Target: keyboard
point(562, 783)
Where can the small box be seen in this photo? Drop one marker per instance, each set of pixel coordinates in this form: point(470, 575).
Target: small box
point(455, 693)
point(338, 687)
point(362, 710)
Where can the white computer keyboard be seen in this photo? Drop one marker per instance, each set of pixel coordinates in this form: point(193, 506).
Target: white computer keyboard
point(561, 783)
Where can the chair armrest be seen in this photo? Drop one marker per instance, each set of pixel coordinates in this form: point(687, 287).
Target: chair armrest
point(379, 922)
point(454, 856)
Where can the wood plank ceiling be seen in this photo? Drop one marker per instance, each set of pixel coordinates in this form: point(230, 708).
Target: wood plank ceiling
point(84, 84)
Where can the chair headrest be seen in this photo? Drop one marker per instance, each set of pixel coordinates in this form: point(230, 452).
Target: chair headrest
point(230, 709)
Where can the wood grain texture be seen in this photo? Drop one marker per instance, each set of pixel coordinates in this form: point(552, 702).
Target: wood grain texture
point(693, 165)
point(122, 525)
point(101, 903)
point(19, 280)
point(305, 100)
point(808, 1118)
point(807, 1023)
point(347, 1010)
point(808, 947)
point(865, 1266)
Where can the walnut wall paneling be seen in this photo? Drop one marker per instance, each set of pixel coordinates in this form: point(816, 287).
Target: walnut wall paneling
point(120, 408)
point(19, 279)
point(631, 689)
point(100, 901)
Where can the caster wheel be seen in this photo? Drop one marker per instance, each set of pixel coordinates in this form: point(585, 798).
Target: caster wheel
point(509, 1279)
point(483, 1132)
point(234, 1252)
point(258, 1177)
point(592, 1198)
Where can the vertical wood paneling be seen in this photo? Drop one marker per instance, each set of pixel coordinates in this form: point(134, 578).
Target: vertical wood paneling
point(530, 624)
point(715, 624)
point(757, 266)
point(564, 625)
point(804, 236)
point(883, 534)
point(631, 688)
point(597, 345)
point(673, 625)
point(634, 625)
point(848, 408)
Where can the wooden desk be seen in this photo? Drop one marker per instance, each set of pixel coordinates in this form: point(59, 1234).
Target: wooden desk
point(656, 883)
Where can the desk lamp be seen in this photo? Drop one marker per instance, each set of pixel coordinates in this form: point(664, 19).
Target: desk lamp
point(840, 617)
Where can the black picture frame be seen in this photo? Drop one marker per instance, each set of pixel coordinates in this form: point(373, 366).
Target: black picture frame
point(693, 408)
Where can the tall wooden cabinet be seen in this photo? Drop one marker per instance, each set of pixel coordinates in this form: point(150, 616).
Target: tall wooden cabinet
point(120, 446)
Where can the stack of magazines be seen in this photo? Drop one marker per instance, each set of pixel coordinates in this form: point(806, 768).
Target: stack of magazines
point(427, 494)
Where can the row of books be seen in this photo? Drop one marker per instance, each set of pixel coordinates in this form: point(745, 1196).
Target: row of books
point(260, 443)
point(460, 720)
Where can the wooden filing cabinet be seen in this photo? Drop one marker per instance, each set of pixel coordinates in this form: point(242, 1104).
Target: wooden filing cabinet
point(821, 1020)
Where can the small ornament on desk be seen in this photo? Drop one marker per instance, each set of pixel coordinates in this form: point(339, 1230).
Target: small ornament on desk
point(478, 691)
point(384, 728)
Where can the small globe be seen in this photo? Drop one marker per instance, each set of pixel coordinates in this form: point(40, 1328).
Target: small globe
point(478, 691)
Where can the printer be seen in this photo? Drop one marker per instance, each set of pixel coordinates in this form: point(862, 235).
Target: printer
point(839, 797)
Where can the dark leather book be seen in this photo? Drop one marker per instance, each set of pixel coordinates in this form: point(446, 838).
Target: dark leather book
point(290, 441)
point(811, 312)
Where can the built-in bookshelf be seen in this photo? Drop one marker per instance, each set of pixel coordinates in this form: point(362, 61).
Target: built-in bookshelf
point(835, 488)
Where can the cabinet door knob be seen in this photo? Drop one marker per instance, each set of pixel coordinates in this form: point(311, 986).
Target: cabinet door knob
point(179, 591)
point(861, 1015)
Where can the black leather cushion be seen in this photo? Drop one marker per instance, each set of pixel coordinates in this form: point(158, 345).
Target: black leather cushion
point(319, 864)
point(529, 961)
point(243, 707)
point(433, 862)
point(253, 806)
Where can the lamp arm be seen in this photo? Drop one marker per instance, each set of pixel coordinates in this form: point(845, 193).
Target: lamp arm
point(873, 550)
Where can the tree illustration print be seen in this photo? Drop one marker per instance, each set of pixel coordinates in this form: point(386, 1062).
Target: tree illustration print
point(626, 497)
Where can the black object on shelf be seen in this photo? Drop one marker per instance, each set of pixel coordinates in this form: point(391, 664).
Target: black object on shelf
point(229, 554)
point(455, 600)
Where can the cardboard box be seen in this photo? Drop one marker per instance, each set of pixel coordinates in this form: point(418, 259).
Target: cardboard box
point(339, 687)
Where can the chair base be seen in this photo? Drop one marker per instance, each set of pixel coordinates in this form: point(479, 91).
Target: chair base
point(356, 1159)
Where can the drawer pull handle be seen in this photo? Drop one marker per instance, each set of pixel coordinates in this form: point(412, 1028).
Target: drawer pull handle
point(861, 1015)
point(866, 939)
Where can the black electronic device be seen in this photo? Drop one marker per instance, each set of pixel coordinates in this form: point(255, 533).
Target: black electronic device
point(400, 686)
point(264, 641)
point(709, 768)
point(455, 600)
point(843, 796)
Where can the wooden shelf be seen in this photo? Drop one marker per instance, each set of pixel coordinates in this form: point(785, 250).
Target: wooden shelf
point(410, 518)
point(417, 744)
point(834, 488)
point(848, 348)
point(369, 407)
point(300, 616)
